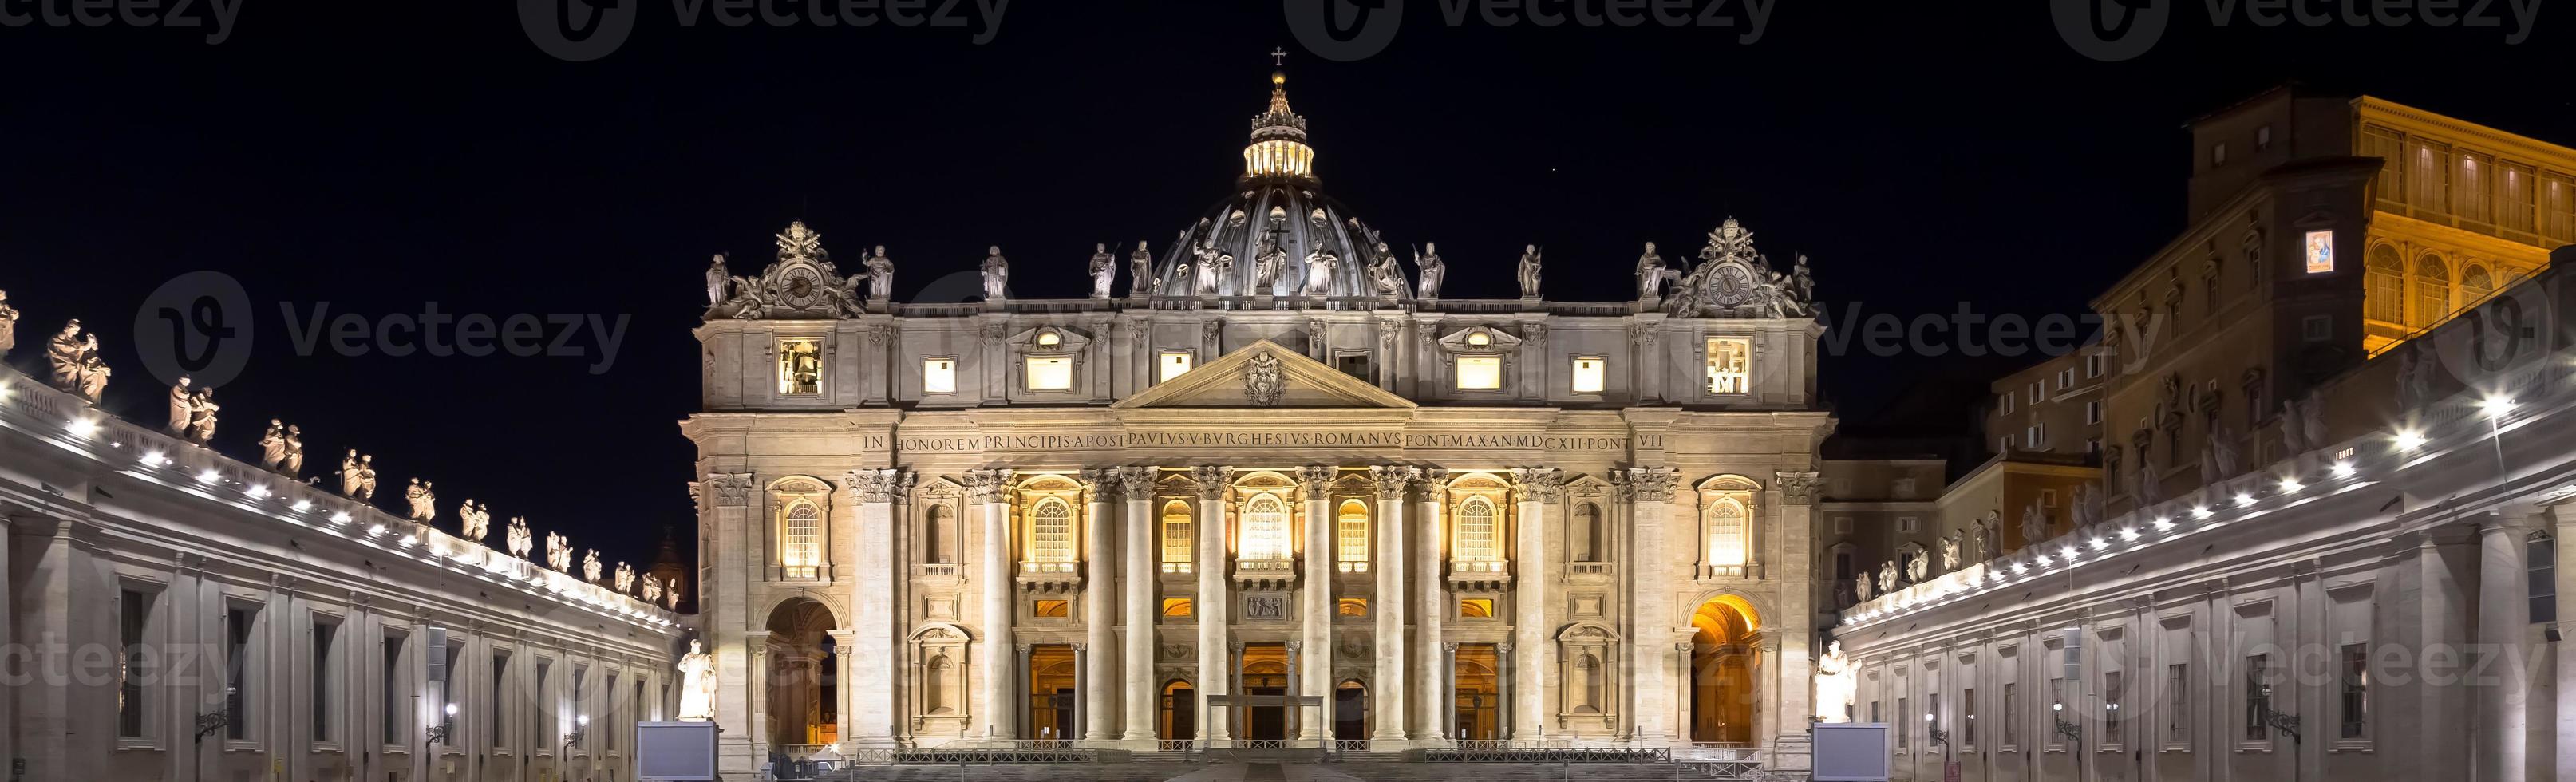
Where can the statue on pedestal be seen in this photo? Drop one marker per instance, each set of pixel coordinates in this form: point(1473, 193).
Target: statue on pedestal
point(1949, 548)
point(77, 368)
point(697, 685)
point(671, 596)
point(293, 467)
point(559, 552)
point(880, 275)
point(272, 445)
point(8, 324)
point(1319, 272)
point(1385, 275)
point(590, 566)
point(424, 503)
point(183, 407)
point(519, 541)
point(997, 274)
point(1861, 588)
point(201, 416)
point(1835, 685)
point(1650, 273)
point(1267, 266)
point(2034, 525)
point(475, 521)
point(718, 278)
point(652, 590)
point(358, 476)
point(1887, 577)
point(1104, 270)
point(1140, 268)
point(1434, 271)
point(625, 578)
point(1529, 271)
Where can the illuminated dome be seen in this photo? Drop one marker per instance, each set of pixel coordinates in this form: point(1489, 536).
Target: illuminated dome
point(1276, 203)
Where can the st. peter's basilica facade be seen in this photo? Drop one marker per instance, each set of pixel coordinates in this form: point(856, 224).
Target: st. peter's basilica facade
point(1279, 493)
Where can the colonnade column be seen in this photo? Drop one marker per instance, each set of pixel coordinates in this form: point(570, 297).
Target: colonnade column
point(1317, 677)
point(1431, 587)
point(2504, 606)
point(1650, 620)
point(991, 496)
point(846, 663)
point(1210, 606)
point(1537, 493)
point(1137, 652)
point(1386, 680)
point(1099, 693)
point(868, 718)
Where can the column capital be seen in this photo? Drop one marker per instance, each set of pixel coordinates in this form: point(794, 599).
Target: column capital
point(1430, 478)
point(1295, 645)
point(732, 489)
point(1391, 480)
point(1504, 647)
point(1650, 484)
point(1021, 648)
point(1543, 484)
point(1317, 479)
point(1080, 646)
point(1095, 482)
point(1235, 647)
point(1449, 646)
point(1136, 482)
point(1212, 480)
point(987, 485)
point(1797, 488)
point(879, 485)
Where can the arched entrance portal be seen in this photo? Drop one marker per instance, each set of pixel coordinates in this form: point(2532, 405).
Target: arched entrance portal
point(804, 674)
point(1350, 711)
point(1179, 719)
point(1722, 661)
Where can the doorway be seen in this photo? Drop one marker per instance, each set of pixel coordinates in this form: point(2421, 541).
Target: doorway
point(1051, 692)
point(1265, 672)
point(1477, 694)
point(1350, 711)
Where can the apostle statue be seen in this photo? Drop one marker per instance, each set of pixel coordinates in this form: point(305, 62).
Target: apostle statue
point(1887, 577)
point(474, 521)
point(1433, 272)
point(1650, 273)
point(1140, 272)
point(1861, 590)
point(424, 501)
point(1802, 286)
point(1917, 568)
point(1529, 272)
point(2034, 525)
point(77, 368)
point(880, 275)
point(997, 274)
point(652, 589)
point(352, 476)
point(671, 596)
point(590, 566)
point(1210, 277)
point(717, 279)
point(1982, 534)
point(697, 685)
point(1319, 272)
point(519, 541)
point(272, 445)
point(1385, 275)
point(201, 416)
point(1267, 266)
point(183, 407)
point(8, 324)
point(1949, 548)
point(625, 578)
point(1835, 687)
point(1104, 270)
point(294, 465)
point(558, 552)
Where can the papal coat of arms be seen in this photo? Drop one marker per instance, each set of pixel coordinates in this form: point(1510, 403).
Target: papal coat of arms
point(1261, 380)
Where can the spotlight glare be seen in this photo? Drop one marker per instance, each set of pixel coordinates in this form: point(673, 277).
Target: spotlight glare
point(2291, 486)
point(2495, 406)
point(2343, 469)
point(83, 427)
point(301, 506)
point(208, 475)
point(2409, 439)
point(155, 459)
point(2200, 512)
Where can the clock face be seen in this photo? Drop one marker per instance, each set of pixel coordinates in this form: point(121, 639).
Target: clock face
point(1733, 287)
point(802, 288)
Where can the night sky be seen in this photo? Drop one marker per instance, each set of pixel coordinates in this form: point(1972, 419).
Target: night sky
point(376, 158)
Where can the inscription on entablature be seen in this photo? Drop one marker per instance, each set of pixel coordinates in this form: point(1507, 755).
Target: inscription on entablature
point(1238, 439)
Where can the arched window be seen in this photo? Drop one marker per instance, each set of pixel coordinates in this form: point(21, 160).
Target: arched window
point(1476, 542)
point(1726, 532)
point(1588, 543)
point(2386, 295)
point(2476, 284)
point(1176, 537)
point(1051, 531)
point(801, 539)
point(1350, 537)
point(1265, 528)
point(2432, 290)
point(938, 541)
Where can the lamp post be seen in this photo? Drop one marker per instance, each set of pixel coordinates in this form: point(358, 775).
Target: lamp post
point(2074, 734)
point(1932, 726)
point(580, 728)
point(439, 733)
point(2285, 723)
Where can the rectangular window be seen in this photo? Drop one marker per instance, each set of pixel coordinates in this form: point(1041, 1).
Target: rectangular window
point(325, 658)
point(2386, 145)
point(2093, 412)
point(2316, 328)
point(1588, 373)
point(2111, 706)
point(1902, 730)
point(2469, 186)
point(2263, 137)
point(1050, 373)
point(1176, 607)
point(1730, 365)
point(447, 696)
point(2258, 698)
point(493, 713)
point(2217, 155)
point(2093, 366)
point(1480, 373)
point(939, 376)
point(1172, 364)
point(2542, 555)
point(2012, 714)
point(2177, 703)
point(580, 677)
point(1968, 717)
point(2514, 210)
point(2056, 707)
point(1177, 526)
point(546, 714)
point(393, 697)
point(1908, 525)
point(2320, 251)
point(2428, 176)
point(134, 610)
point(1350, 537)
point(2036, 436)
point(2038, 391)
point(2558, 207)
point(1842, 525)
point(237, 670)
point(2065, 378)
point(800, 366)
point(2008, 403)
point(2356, 690)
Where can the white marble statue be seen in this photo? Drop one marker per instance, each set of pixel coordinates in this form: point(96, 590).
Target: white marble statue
point(697, 685)
point(2079, 506)
point(76, 365)
point(671, 595)
point(183, 406)
point(1887, 577)
point(1529, 271)
point(417, 496)
point(358, 475)
point(2034, 525)
point(717, 279)
point(294, 464)
point(652, 589)
point(1949, 548)
point(1650, 273)
point(2218, 456)
point(1980, 535)
point(475, 521)
point(590, 566)
point(1385, 275)
point(1835, 685)
point(8, 325)
point(201, 416)
point(997, 274)
point(272, 445)
point(1209, 275)
point(880, 275)
point(1140, 272)
point(519, 541)
point(625, 578)
point(559, 552)
point(1434, 271)
point(1267, 266)
point(1319, 272)
point(1917, 568)
point(2294, 432)
point(1104, 270)
point(1862, 588)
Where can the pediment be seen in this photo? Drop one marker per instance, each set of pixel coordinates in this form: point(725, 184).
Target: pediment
point(1264, 374)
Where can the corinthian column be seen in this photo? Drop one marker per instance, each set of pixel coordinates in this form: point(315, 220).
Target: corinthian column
point(1650, 620)
point(1137, 693)
point(1431, 589)
point(1215, 677)
point(1386, 682)
point(1537, 493)
point(1099, 614)
point(1317, 619)
point(873, 667)
point(995, 704)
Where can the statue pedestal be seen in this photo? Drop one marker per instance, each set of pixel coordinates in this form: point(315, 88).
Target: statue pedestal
point(881, 306)
point(1264, 302)
point(1529, 302)
point(1647, 304)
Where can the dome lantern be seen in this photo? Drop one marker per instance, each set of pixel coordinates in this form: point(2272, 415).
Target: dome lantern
point(1278, 146)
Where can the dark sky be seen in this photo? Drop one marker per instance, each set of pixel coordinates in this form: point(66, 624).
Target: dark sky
point(380, 157)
